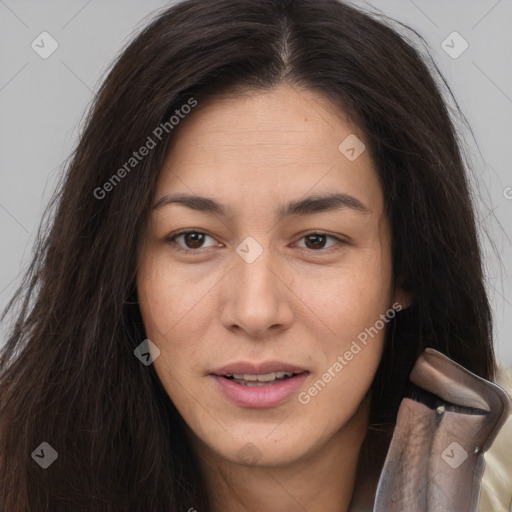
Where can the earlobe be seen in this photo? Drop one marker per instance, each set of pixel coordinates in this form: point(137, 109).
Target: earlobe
point(402, 299)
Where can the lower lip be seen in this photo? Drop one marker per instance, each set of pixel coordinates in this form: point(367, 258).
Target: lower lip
point(260, 397)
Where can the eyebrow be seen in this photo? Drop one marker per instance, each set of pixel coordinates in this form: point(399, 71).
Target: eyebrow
point(307, 206)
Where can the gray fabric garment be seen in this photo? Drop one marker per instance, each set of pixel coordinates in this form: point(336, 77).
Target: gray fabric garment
point(435, 461)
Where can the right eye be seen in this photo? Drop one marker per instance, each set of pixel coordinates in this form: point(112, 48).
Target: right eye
point(192, 238)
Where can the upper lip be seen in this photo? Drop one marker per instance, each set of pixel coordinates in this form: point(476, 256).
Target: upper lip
point(258, 368)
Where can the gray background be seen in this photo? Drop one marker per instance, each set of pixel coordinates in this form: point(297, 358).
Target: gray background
point(42, 102)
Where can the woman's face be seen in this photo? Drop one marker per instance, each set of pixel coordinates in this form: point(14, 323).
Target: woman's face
point(271, 277)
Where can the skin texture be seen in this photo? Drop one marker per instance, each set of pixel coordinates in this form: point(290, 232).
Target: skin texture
point(302, 300)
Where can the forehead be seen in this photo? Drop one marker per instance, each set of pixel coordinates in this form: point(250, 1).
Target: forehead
point(280, 141)
point(284, 118)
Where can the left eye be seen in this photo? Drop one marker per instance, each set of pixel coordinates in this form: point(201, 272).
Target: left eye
point(316, 241)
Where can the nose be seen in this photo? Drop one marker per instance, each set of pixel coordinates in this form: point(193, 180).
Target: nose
point(257, 297)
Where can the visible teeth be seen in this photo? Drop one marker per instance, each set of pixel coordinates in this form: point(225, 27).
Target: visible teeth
point(264, 377)
point(243, 376)
point(254, 384)
point(280, 375)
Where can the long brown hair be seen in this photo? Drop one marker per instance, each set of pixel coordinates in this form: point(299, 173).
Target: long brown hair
point(69, 376)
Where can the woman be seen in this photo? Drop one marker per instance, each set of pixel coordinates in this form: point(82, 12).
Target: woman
point(262, 286)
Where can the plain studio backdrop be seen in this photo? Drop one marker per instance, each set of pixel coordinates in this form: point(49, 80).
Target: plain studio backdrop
point(46, 86)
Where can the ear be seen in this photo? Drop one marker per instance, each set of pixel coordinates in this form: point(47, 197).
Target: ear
point(402, 297)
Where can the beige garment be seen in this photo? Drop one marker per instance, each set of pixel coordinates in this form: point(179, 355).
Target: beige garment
point(497, 480)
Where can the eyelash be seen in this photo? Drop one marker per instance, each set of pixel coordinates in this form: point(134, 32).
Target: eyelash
point(171, 238)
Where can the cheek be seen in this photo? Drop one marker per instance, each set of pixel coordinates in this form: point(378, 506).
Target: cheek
point(173, 307)
point(353, 297)
point(163, 311)
point(168, 296)
point(352, 307)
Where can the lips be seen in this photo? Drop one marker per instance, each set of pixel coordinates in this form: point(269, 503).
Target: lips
point(262, 385)
point(257, 375)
